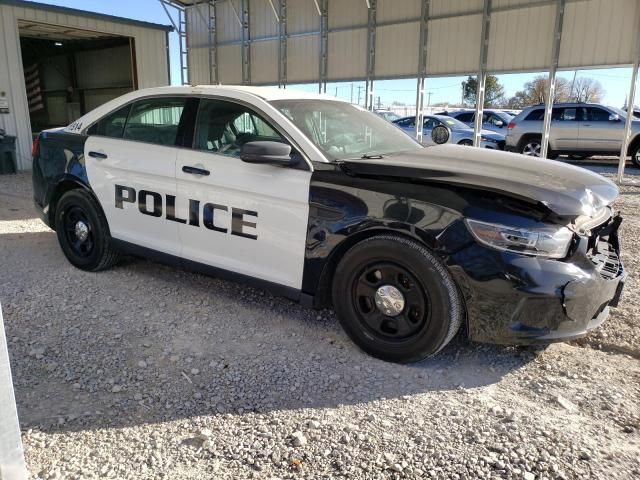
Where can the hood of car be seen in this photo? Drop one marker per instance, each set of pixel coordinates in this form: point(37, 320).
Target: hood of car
point(565, 189)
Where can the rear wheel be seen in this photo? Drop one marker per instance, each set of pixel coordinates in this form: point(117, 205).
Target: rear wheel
point(83, 232)
point(635, 155)
point(395, 300)
point(531, 147)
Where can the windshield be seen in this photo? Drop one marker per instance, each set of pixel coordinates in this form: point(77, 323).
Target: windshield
point(452, 123)
point(343, 131)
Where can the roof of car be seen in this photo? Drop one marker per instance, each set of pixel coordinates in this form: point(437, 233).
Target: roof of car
point(266, 93)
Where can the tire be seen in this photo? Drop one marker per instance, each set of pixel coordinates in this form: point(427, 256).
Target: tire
point(635, 155)
point(425, 322)
point(95, 252)
point(532, 146)
point(578, 157)
point(466, 142)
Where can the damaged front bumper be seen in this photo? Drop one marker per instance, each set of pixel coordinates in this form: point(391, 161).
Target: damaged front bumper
point(513, 299)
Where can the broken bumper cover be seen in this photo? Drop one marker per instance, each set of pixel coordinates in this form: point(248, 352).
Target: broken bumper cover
point(513, 299)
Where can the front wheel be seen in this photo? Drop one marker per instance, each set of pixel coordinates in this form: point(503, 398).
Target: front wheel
point(466, 143)
point(395, 299)
point(83, 232)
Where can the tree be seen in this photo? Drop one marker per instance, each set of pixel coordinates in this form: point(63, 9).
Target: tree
point(536, 90)
point(587, 89)
point(493, 91)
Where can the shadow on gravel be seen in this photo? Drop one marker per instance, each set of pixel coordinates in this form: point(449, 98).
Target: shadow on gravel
point(143, 343)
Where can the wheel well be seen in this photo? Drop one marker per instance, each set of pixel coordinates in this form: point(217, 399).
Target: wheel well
point(526, 137)
point(633, 145)
point(322, 297)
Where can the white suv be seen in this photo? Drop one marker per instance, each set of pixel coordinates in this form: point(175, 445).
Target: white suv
point(577, 129)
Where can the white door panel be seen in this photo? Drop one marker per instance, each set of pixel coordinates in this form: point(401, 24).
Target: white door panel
point(141, 167)
point(275, 199)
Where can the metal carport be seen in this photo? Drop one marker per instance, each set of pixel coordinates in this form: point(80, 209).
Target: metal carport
point(275, 42)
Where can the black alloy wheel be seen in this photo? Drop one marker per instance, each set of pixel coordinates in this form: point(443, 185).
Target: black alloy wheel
point(395, 299)
point(83, 231)
point(390, 301)
point(78, 231)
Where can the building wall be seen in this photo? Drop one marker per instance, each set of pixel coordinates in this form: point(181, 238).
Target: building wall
point(151, 60)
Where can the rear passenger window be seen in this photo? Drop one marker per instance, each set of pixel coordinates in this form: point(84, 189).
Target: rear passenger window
point(223, 127)
point(465, 117)
point(536, 115)
point(155, 120)
point(112, 125)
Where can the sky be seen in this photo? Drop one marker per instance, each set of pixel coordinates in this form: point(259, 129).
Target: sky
point(615, 81)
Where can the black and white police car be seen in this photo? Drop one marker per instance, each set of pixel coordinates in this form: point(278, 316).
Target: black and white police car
point(326, 203)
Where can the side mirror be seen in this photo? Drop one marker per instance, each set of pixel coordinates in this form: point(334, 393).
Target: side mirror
point(264, 151)
point(440, 134)
point(499, 123)
point(614, 117)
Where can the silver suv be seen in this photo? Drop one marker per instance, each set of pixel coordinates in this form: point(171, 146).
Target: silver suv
point(577, 129)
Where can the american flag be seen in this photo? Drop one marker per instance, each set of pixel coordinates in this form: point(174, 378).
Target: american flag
point(34, 93)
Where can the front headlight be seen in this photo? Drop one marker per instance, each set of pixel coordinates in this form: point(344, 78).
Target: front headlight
point(549, 242)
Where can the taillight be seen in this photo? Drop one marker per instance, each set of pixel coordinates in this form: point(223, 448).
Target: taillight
point(35, 148)
point(511, 125)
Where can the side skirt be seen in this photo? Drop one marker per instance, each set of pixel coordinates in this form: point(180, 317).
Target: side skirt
point(172, 260)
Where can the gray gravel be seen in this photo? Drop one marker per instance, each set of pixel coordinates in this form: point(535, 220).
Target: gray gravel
point(148, 372)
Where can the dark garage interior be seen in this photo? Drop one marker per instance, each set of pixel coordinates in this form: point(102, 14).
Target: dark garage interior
point(69, 72)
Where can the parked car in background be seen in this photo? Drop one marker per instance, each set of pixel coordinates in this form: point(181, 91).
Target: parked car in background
point(577, 129)
point(460, 133)
point(494, 120)
point(388, 115)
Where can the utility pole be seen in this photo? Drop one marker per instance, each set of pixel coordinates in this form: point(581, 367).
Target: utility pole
point(379, 104)
point(429, 99)
point(572, 84)
point(351, 101)
point(360, 87)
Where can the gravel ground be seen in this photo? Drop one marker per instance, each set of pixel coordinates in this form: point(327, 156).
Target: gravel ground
point(148, 372)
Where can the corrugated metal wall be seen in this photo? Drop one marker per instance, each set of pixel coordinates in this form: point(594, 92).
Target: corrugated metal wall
point(596, 33)
point(151, 58)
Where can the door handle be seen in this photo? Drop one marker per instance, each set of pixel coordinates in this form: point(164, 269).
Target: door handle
point(195, 170)
point(98, 155)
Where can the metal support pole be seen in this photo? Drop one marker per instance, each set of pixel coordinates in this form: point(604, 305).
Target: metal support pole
point(282, 45)
point(422, 67)
point(482, 73)
point(371, 53)
point(181, 29)
point(214, 77)
point(323, 7)
point(246, 43)
point(630, 103)
point(12, 465)
point(551, 90)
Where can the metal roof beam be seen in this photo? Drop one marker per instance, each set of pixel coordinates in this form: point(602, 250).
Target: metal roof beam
point(371, 53)
point(422, 67)
point(551, 88)
point(324, 45)
point(482, 73)
point(282, 44)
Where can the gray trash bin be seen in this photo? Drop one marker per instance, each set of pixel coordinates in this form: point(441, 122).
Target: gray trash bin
point(8, 162)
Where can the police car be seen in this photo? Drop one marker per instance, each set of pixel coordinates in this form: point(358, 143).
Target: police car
point(325, 203)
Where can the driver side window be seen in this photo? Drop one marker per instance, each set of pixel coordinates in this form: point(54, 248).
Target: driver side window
point(223, 127)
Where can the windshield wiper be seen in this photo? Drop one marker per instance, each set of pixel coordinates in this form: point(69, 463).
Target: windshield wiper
point(371, 156)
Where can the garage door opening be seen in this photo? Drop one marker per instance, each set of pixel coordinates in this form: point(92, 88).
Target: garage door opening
point(69, 72)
